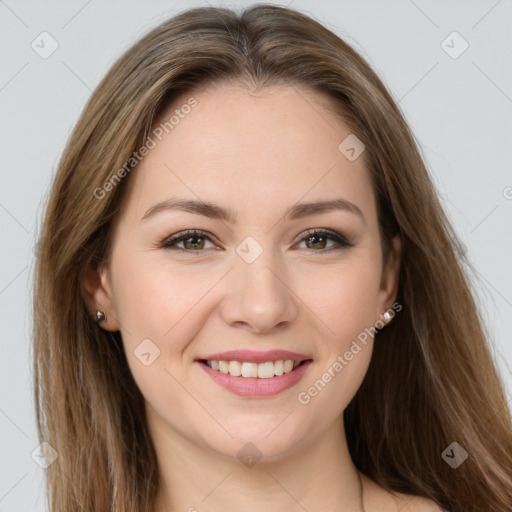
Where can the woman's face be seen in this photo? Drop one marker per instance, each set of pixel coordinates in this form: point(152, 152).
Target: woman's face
point(255, 281)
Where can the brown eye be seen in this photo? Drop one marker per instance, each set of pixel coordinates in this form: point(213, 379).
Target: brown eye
point(192, 240)
point(317, 240)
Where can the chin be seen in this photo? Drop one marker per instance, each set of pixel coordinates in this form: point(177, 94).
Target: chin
point(271, 440)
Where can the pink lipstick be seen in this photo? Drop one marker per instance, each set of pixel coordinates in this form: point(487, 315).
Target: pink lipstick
point(256, 374)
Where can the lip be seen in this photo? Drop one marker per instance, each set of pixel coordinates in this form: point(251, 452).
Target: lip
point(253, 387)
point(253, 356)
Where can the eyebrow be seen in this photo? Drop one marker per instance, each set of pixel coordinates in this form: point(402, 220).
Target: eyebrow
point(214, 211)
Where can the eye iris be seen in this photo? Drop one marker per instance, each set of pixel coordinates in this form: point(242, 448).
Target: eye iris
point(316, 237)
point(194, 246)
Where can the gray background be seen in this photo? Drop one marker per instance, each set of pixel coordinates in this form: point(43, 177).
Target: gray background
point(459, 109)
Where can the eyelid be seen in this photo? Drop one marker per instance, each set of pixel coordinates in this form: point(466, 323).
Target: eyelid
point(327, 233)
point(184, 235)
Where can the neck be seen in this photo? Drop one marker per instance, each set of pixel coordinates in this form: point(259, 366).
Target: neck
point(319, 475)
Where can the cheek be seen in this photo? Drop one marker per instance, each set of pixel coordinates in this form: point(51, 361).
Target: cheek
point(151, 294)
point(158, 308)
point(343, 298)
point(345, 301)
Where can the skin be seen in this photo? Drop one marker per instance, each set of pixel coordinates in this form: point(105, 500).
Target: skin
point(256, 154)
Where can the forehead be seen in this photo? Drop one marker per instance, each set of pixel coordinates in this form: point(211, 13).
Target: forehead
point(279, 145)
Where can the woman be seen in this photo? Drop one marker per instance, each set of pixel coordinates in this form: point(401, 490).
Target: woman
point(248, 295)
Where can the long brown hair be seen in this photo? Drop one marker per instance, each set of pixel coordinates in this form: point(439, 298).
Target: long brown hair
point(431, 380)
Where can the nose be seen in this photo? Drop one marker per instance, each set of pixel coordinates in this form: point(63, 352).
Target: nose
point(258, 296)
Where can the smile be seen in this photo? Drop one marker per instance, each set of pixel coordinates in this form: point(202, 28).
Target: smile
point(255, 374)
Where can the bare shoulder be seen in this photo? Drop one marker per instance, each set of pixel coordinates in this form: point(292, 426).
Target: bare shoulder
point(411, 503)
point(378, 499)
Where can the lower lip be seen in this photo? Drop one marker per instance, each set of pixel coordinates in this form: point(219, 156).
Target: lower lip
point(251, 387)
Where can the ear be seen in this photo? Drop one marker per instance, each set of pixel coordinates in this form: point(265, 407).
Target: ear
point(97, 292)
point(390, 276)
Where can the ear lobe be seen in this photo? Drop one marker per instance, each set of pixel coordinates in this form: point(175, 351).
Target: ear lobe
point(98, 296)
point(390, 275)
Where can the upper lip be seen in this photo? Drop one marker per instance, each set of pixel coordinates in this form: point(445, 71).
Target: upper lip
point(252, 356)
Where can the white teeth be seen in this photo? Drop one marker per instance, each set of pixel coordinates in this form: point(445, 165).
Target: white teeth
point(265, 370)
point(279, 367)
point(288, 366)
point(249, 369)
point(235, 368)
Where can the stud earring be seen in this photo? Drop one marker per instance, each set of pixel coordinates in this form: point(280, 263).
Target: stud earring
point(387, 317)
point(101, 317)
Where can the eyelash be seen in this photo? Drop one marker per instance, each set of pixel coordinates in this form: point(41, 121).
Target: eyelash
point(170, 242)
